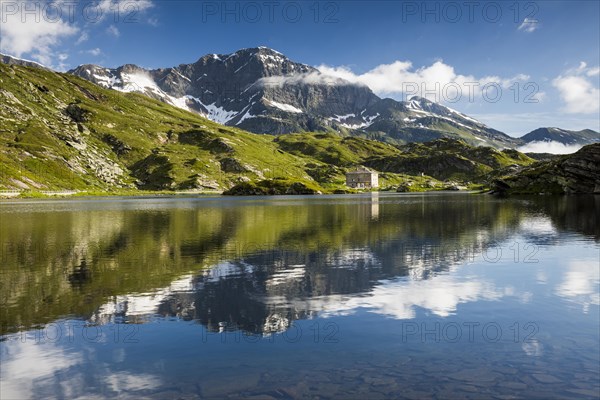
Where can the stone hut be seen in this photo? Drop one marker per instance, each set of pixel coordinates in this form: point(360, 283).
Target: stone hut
point(362, 178)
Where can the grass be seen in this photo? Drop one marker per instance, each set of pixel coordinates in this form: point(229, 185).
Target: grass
point(78, 136)
point(36, 137)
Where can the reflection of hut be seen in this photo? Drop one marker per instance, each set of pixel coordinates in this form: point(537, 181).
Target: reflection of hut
point(362, 178)
point(375, 206)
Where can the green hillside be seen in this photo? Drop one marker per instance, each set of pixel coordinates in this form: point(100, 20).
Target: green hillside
point(60, 132)
point(451, 159)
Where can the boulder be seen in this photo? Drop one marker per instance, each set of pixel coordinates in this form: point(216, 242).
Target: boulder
point(270, 187)
point(76, 113)
point(404, 187)
point(230, 164)
point(300, 188)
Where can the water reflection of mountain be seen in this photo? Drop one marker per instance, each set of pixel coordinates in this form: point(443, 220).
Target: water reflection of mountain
point(244, 262)
point(267, 291)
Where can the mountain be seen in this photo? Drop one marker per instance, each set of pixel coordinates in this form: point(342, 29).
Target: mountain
point(59, 131)
point(263, 91)
point(10, 60)
point(586, 136)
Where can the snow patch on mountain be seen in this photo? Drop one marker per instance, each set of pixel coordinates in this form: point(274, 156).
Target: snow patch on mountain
point(107, 81)
point(138, 82)
point(285, 107)
point(180, 102)
point(271, 60)
point(414, 105)
point(421, 111)
point(368, 121)
point(353, 124)
point(181, 75)
point(247, 114)
point(215, 113)
point(340, 118)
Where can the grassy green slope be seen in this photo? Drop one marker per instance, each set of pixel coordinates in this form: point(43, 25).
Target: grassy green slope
point(62, 132)
point(335, 149)
point(450, 159)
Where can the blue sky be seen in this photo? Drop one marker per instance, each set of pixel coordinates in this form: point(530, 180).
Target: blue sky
point(538, 61)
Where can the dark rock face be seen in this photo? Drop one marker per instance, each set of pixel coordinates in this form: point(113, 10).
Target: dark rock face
point(404, 187)
point(299, 188)
point(262, 91)
point(575, 173)
point(246, 189)
point(581, 173)
point(76, 113)
point(269, 187)
point(118, 146)
point(230, 164)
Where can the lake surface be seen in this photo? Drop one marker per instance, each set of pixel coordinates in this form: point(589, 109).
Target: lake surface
point(352, 297)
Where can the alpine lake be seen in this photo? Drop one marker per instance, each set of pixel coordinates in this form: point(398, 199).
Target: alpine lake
point(369, 296)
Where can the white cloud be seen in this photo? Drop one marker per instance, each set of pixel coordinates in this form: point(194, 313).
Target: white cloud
point(82, 38)
point(438, 82)
point(122, 8)
point(593, 71)
point(539, 96)
point(62, 66)
point(113, 30)
point(580, 283)
point(124, 382)
point(95, 52)
point(32, 34)
point(310, 78)
point(37, 34)
point(34, 367)
point(529, 25)
point(579, 93)
point(399, 299)
point(25, 365)
point(549, 147)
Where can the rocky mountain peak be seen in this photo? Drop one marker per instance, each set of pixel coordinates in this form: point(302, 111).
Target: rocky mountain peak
point(261, 90)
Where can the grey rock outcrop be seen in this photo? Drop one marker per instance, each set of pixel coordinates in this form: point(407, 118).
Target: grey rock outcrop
point(571, 174)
